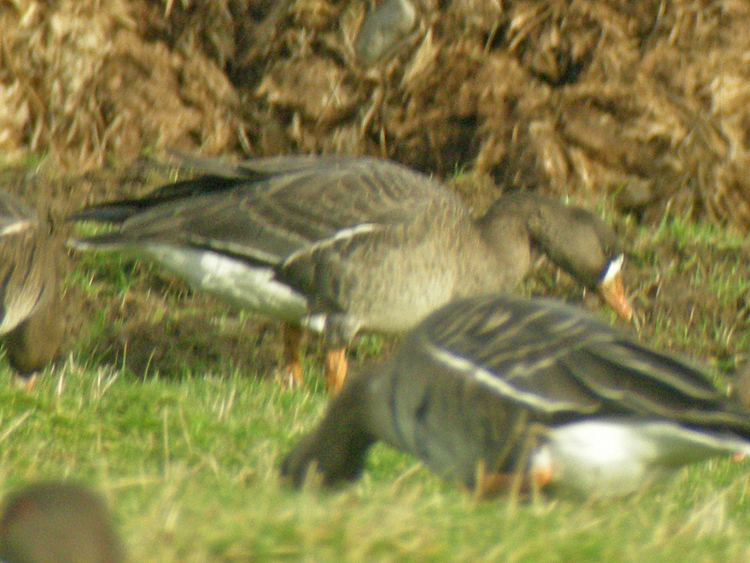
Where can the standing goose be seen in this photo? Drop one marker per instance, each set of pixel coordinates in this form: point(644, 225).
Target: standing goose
point(57, 522)
point(339, 244)
point(491, 387)
point(30, 318)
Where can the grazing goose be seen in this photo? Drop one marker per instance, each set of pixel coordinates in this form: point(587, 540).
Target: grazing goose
point(339, 244)
point(492, 387)
point(30, 318)
point(57, 522)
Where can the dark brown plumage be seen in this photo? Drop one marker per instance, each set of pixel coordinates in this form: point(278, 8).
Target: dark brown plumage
point(341, 244)
point(490, 384)
point(58, 522)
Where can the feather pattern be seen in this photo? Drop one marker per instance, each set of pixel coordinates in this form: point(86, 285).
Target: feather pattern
point(591, 365)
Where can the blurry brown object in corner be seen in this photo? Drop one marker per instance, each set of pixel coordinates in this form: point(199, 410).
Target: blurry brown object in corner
point(58, 522)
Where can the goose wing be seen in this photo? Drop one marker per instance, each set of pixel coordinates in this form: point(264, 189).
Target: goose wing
point(561, 364)
point(269, 209)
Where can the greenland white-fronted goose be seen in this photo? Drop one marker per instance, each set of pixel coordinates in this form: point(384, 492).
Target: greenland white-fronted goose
point(30, 317)
point(339, 244)
point(55, 522)
point(491, 387)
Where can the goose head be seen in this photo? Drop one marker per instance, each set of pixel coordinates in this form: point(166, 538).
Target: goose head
point(573, 238)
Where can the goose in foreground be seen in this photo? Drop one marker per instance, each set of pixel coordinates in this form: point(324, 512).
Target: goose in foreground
point(340, 244)
point(30, 319)
point(57, 522)
point(492, 388)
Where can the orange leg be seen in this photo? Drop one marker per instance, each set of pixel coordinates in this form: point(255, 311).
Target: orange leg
point(25, 383)
point(335, 369)
point(292, 375)
point(492, 484)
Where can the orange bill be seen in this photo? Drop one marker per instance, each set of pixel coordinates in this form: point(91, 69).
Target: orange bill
point(613, 293)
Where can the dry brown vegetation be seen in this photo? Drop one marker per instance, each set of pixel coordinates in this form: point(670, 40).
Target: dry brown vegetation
point(647, 99)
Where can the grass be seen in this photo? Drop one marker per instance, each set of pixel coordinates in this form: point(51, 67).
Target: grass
point(187, 452)
point(191, 469)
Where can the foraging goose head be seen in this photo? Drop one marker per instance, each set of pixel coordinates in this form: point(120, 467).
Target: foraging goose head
point(490, 385)
point(57, 521)
point(335, 244)
point(573, 238)
point(30, 318)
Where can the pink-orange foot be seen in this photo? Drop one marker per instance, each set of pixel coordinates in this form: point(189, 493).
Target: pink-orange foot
point(291, 376)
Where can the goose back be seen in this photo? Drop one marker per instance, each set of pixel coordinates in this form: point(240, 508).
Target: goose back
point(480, 370)
point(363, 236)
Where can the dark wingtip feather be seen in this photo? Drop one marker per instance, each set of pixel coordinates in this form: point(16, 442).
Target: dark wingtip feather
point(119, 211)
point(113, 213)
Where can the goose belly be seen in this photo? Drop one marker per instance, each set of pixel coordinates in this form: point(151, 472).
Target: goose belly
point(392, 302)
point(234, 281)
point(398, 314)
point(610, 458)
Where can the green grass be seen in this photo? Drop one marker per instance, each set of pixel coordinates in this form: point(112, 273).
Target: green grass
point(190, 467)
point(187, 453)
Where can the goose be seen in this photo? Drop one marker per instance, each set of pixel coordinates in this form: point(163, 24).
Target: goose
point(53, 522)
point(493, 388)
point(30, 319)
point(343, 244)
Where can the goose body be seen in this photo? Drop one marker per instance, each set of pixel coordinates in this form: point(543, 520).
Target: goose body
point(490, 384)
point(30, 320)
point(54, 522)
point(341, 244)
